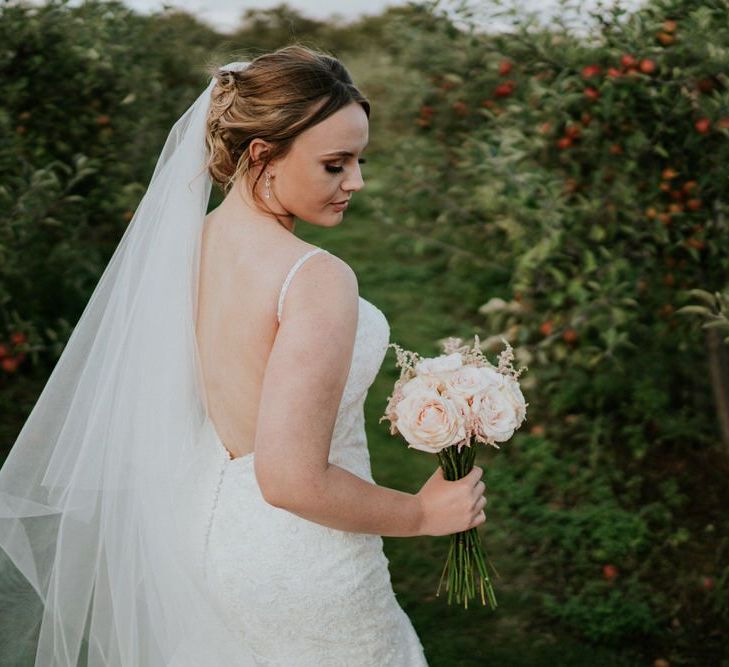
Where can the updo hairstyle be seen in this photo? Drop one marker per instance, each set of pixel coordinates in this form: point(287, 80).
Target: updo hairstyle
point(275, 98)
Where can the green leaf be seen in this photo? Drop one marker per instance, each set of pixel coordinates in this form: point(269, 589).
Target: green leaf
point(716, 324)
point(703, 295)
point(694, 310)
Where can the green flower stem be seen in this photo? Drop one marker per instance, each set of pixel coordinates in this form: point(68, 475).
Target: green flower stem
point(465, 564)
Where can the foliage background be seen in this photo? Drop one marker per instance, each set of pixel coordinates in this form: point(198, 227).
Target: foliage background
point(535, 184)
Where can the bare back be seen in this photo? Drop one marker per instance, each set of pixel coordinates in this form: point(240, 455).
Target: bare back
point(242, 270)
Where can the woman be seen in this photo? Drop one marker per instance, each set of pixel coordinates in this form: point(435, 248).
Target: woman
point(193, 486)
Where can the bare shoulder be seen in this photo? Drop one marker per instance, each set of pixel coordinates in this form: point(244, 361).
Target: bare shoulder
point(324, 284)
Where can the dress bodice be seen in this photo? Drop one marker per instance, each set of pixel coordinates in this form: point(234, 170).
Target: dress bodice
point(349, 444)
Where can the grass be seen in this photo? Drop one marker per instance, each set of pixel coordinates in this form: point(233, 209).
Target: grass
point(421, 307)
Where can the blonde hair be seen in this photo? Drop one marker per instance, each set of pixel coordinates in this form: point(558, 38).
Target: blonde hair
point(275, 98)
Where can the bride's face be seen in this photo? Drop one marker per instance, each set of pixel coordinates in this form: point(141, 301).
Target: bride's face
point(321, 168)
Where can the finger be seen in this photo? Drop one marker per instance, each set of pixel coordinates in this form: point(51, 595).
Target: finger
point(479, 519)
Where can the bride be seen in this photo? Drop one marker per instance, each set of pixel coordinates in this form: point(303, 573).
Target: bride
point(193, 486)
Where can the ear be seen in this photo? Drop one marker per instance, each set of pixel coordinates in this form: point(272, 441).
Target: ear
point(258, 149)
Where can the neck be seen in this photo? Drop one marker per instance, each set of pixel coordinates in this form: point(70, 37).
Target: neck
point(239, 203)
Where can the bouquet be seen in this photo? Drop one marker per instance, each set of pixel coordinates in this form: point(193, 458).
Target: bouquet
point(444, 406)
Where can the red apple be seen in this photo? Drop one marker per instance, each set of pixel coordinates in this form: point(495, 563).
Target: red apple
point(18, 338)
point(505, 67)
point(614, 72)
point(702, 125)
point(693, 204)
point(504, 89)
point(591, 93)
point(563, 142)
point(609, 572)
point(569, 335)
point(627, 60)
point(590, 70)
point(647, 66)
point(9, 364)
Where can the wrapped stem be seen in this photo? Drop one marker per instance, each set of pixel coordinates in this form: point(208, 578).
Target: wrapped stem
point(465, 568)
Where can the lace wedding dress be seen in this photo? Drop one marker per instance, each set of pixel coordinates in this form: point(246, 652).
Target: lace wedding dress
point(295, 592)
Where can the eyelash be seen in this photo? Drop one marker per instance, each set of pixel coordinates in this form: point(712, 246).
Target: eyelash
point(333, 169)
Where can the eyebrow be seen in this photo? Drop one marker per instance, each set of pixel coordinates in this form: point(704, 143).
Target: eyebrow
point(342, 153)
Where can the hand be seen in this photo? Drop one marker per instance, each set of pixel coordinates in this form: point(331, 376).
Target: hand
point(452, 506)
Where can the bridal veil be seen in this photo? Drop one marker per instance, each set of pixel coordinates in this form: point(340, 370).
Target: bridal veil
point(97, 564)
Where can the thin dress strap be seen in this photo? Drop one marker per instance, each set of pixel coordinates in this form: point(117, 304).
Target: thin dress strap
point(290, 275)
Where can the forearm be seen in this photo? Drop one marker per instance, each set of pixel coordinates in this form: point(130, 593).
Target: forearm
point(345, 501)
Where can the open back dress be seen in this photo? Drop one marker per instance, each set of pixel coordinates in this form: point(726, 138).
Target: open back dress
point(298, 593)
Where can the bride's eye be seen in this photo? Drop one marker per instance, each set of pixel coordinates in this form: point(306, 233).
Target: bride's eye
point(336, 169)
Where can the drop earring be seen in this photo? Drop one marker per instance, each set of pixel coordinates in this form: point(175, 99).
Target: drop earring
point(268, 186)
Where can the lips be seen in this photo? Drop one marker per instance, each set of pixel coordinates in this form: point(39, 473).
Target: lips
point(338, 203)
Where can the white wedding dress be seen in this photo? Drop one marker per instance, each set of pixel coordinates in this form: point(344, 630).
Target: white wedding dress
point(295, 592)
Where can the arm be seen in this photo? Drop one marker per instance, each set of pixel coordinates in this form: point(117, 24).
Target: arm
point(300, 397)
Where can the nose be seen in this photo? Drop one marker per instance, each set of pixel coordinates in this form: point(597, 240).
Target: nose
point(354, 182)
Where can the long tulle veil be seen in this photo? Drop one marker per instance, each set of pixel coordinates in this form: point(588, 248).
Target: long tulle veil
point(98, 566)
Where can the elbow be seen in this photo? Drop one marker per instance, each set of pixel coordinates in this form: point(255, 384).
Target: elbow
point(268, 489)
point(267, 481)
point(291, 492)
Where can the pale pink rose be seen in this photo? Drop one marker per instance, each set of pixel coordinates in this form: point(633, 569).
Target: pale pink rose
point(428, 421)
point(495, 417)
point(512, 391)
point(442, 364)
point(468, 381)
point(422, 382)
